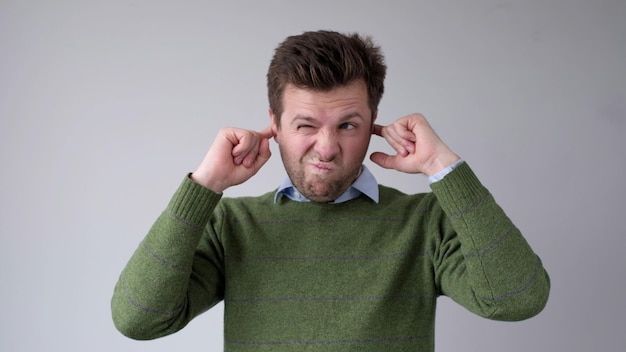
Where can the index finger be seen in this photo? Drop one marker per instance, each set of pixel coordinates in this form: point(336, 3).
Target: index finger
point(377, 130)
point(267, 132)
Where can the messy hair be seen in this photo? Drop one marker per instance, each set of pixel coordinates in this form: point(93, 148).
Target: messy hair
point(323, 60)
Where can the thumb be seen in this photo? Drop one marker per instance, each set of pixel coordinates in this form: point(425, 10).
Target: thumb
point(383, 160)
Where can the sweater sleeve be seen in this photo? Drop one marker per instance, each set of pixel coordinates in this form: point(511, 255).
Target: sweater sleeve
point(173, 275)
point(482, 260)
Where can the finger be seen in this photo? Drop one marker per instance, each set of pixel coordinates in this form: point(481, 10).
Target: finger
point(394, 138)
point(264, 153)
point(395, 142)
point(259, 155)
point(259, 148)
point(377, 130)
point(244, 144)
point(383, 160)
point(401, 139)
point(251, 155)
point(400, 132)
point(267, 132)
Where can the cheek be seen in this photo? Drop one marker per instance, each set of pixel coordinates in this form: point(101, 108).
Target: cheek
point(293, 146)
point(357, 144)
point(355, 150)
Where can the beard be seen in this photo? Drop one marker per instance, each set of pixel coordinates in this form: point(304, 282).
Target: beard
point(319, 187)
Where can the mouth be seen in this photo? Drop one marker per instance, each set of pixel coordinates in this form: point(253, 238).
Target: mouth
point(322, 167)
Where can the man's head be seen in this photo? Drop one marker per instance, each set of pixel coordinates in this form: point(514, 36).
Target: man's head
point(323, 60)
point(324, 90)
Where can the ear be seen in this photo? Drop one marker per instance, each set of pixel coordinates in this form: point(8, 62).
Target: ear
point(273, 124)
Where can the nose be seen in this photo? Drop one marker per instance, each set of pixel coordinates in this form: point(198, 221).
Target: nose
point(326, 145)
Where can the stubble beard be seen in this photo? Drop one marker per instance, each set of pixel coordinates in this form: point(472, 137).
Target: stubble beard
point(319, 187)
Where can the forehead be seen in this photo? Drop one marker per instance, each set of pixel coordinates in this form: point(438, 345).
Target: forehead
point(352, 96)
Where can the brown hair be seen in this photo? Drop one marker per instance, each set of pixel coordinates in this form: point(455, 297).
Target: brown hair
point(324, 60)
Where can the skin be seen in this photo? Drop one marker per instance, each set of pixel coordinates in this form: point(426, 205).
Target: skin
point(323, 138)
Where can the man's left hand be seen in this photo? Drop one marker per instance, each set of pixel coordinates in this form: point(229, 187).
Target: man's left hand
point(419, 148)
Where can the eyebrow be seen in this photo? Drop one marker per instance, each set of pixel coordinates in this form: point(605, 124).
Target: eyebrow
point(342, 119)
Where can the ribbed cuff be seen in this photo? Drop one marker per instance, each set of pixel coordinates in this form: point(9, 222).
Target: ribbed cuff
point(193, 203)
point(441, 174)
point(459, 189)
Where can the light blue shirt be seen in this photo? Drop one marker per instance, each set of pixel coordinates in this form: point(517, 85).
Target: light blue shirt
point(441, 174)
point(365, 184)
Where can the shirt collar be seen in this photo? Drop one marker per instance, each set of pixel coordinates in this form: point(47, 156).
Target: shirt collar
point(365, 184)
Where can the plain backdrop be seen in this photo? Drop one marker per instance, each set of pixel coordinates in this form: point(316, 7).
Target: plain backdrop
point(106, 105)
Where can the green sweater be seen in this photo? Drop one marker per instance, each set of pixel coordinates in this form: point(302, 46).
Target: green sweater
point(354, 276)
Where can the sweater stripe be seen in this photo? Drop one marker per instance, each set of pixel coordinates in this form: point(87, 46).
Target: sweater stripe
point(356, 219)
point(535, 275)
point(493, 245)
point(162, 260)
point(143, 308)
point(329, 299)
point(333, 257)
point(328, 342)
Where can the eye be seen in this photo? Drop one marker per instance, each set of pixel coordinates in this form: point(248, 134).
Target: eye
point(299, 127)
point(347, 126)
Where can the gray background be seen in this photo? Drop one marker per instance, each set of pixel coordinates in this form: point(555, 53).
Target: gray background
point(105, 105)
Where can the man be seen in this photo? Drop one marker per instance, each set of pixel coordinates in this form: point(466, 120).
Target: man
point(330, 261)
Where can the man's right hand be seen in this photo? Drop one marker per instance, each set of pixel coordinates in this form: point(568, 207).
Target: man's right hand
point(235, 156)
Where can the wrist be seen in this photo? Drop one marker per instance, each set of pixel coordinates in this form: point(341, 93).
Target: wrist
point(443, 173)
point(206, 182)
point(441, 162)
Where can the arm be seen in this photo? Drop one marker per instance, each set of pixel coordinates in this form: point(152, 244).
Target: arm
point(169, 280)
point(482, 261)
point(176, 273)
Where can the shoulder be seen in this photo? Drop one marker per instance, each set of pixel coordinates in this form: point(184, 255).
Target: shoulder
point(391, 197)
point(260, 201)
point(392, 194)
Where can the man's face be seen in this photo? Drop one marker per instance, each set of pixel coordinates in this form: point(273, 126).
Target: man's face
point(323, 138)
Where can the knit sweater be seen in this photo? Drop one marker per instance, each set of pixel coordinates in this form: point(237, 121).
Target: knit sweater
point(354, 276)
